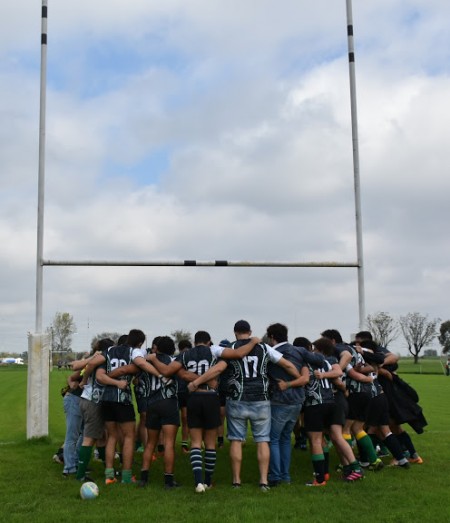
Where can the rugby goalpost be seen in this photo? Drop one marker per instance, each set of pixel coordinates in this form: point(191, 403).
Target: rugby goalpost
point(39, 343)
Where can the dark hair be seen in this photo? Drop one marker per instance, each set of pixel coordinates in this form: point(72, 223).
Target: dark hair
point(184, 344)
point(165, 345)
point(135, 338)
point(332, 334)
point(155, 340)
point(300, 341)
point(278, 332)
point(103, 344)
point(242, 327)
point(370, 344)
point(324, 346)
point(122, 339)
point(202, 338)
point(363, 335)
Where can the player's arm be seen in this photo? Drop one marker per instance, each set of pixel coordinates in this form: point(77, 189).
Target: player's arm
point(390, 359)
point(104, 379)
point(364, 369)
point(131, 368)
point(80, 364)
point(299, 382)
point(289, 367)
point(344, 359)
point(97, 359)
point(334, 372)
point(357, 376)
point(146, 366)
point(166, 370)
point(209, 375)
point(385, 373)
point(237, 354)
point(187, 375)
point(339, 384)
point(74, 380)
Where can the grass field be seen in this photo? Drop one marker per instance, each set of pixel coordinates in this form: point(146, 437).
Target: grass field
point(31, 486)
point(424, 366)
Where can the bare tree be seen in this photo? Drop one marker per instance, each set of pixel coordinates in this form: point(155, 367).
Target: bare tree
point(444, 336)
point(114, 336)
point(61, 330)
point(383, 328)
point(418, 332)
point(180, 334)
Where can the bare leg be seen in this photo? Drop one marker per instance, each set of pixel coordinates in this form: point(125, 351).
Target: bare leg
point(128, 431)
point(236, 460)
point(111, 443)
point(170, 434)
point(263, 453)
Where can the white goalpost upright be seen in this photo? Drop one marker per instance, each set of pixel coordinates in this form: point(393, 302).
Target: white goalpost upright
point(39, 343)
point(357, 185)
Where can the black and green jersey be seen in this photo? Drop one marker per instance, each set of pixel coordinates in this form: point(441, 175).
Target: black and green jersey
point(198, 359)
point(355, 386)
point(115, 357)
point(143, 384)
point(247, 378)
point(319, 391)
point(162, 388)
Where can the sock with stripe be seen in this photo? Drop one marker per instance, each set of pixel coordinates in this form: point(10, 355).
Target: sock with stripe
point(196, 464)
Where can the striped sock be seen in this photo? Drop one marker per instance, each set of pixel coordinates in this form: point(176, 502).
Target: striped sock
point(196, 464)
point(210, 464)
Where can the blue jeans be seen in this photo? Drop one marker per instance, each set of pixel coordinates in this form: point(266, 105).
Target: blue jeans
point(282, 423)
point(74, 432)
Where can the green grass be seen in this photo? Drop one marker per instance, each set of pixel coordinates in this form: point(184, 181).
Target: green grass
point(424, 366)
point(31, 486)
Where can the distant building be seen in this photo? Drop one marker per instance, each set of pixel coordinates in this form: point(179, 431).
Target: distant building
point(11, 361)
point(430, 353)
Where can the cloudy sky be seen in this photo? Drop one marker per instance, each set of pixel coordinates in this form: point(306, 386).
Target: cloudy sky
point(212, 130)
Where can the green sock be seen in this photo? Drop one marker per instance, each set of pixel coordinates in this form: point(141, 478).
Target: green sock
point(366, 444)
point(109, 473)
point(355, 466)
point(126, 476)
point(83, 461)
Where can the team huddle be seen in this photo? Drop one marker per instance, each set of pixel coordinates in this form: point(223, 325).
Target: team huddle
point(347, 395)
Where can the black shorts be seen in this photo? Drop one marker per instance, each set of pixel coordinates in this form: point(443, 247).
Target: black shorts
point(203, 410)
point(222, 398)
point(142, 404)
point(118, 412)
point(358, 403)
point(182, 399)
point(163, 412)
point(378, 411)
point(341, 406)
point(318, 418)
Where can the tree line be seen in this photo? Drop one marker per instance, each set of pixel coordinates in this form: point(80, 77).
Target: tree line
point(417, 330)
